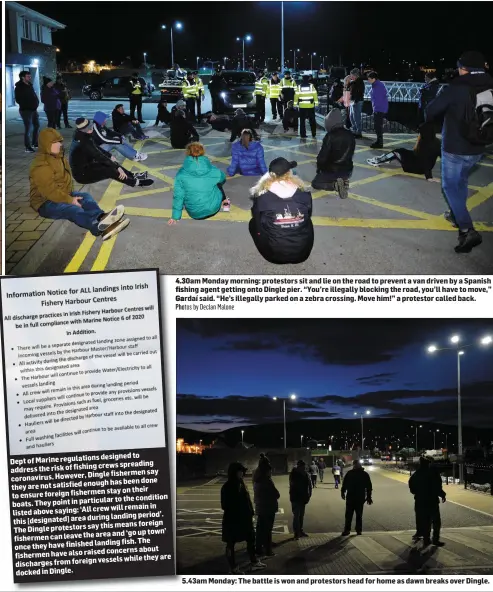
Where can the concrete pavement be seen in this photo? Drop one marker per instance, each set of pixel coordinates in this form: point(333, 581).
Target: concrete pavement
point(391, 223)
point(385, 546)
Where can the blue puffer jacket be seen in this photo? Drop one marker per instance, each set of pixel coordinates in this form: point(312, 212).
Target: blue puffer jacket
point(247, 161)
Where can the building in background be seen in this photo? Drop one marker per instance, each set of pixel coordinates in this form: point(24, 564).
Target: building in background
point(29, 46)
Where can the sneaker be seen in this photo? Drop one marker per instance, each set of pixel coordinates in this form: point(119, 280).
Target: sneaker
point(416, 537)
point(342, 188)
point(30, 150)
point(257, 566)
point(115, 228)
point(438, 543)
point(141, 175)
point(236, 572)
point(304, 535)
point(468, 240)
point(145, 138)
point(345, 533)
point(141, 121)
point(110, 218)
point(226, 207)
point(376, 145)
point(35, 146)
point(144, 182)
point(450, 218)
point(373, 161)
point(140, 156)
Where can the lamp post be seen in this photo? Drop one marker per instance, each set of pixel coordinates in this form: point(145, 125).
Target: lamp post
point(311, 60)
point(434, 439)
point(198, 62)
point(243, 39)
point(225, 60)
point(301, 442)
point(459, 351)
point(145, 60)
point(242, 432)
point(178, 26)
point(367, 412)
point(292, 397)
point(294, 59)
point(420, 426)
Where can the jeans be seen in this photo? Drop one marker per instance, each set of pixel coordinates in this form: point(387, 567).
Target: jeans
point(31, 127)
point(63, 111)
point(298, 517)
point(321, 475)
point(378, 122)
point(86, 216)
point(455, 175)
point(132, 129)
point(124, 149)
point(355, 111)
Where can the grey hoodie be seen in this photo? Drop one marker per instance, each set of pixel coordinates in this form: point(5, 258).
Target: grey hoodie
point(333, 120)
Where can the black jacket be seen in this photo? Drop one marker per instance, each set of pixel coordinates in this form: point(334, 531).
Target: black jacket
point(426, 485)
point(357, 88)
point(336, 92)
point(119, 120)
point(423, 158)
point(103, 135)
point(265, 495)
point(182, 132)
point(453, 102)
point(84, 153)
point(26, 97)
point(300, 486)
point(284, 226)
point(357, 485)
point(336, 153)
point(239, 123)
point(163, 114)
point(290, 117)
point(428, 92)
point(238, 512)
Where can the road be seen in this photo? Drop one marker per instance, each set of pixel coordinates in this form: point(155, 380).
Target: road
point(392, 222)
point(199, 509)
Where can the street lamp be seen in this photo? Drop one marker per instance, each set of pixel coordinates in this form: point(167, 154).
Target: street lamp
point(459, 351)
point(311, 60)
point(179, 27)
point(282, 37)
point(145, 60)
point(420, 426)
point(242, 432)
point(367, 412)
point(198, 62)
point(243, 39)
point(434, 439)
point(301, 442)
point(225, 60)
point(294, 59)
point(292, 397)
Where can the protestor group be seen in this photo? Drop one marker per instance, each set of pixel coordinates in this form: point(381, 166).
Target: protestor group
point(239, 526)
point(281, 215)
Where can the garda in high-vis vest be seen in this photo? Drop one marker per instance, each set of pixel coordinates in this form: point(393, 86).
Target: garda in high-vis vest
point(274, 89)
point(306, 96)
point(261, 87)
point(190, 89)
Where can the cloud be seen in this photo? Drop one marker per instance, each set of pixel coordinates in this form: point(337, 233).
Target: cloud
point(376, 379)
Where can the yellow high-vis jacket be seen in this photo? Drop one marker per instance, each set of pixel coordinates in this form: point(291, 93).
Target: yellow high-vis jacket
point(306, 96)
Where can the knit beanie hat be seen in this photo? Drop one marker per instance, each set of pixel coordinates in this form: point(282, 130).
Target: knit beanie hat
point(100, 117)
point(46, 80)
point(472, 60)
point(83, 124)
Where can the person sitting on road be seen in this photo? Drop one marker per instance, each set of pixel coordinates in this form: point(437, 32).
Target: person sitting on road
point(109, 140)
point(198, 186)
point(163, 115)
point(335, 159)
point(421, 159)
point(90, 164)
point(291, 117)
point(52, 192)
point(247, 157)
point(281, 224)
point(220, 123)
point(182, 131)
point(125, 125)
point(240, 122)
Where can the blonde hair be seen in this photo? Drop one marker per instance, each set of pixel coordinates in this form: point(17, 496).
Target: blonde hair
point(195, 149)
point(268, 179)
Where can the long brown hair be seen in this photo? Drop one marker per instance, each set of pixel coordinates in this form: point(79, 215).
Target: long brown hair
point(246, 137)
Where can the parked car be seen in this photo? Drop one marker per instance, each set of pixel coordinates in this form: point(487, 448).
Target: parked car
point(367, 460)
point(114, 87)
point(236, 92)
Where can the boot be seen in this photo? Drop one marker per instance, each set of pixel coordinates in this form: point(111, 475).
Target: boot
point(468, 240)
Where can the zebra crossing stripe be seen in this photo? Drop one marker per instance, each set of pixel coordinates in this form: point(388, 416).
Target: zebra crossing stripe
point(378, 554)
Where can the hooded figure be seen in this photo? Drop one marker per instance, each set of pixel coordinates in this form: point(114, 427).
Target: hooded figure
point(237, 525)
point(197, 186)
point(52, 192)
point(50, 97)
point(420, 160)
point(281, 224)
point(335, 159)
point(182, 131)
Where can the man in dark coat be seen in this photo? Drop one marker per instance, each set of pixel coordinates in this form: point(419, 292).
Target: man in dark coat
point(427, 93)
point(426, 486)
point(238, 517)
point(300, 492)
point(64, 95)
point(27, 99)
point(356, 490)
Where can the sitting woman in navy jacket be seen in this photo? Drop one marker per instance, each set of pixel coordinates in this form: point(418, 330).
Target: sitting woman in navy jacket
point(247, 157)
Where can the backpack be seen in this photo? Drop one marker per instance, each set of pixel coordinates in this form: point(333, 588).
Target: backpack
point(477, 126)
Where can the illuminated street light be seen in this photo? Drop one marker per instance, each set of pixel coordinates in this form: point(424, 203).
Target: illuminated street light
point(242, 432)
point(145, 60)
point(486, 340)
point(243, 39)
point(295, 51)
point(455, 339)
point(311, 60)
point(367, 412)
point(179, 27)
point(432, 348)
point(292, 397)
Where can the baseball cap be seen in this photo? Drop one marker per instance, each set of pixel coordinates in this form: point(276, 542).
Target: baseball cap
point(281, 166)
point(472, 59)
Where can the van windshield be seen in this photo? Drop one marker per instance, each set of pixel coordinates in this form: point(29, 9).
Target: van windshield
point(239, 78)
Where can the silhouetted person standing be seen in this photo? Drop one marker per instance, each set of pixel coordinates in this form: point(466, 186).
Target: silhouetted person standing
point(426, 486)
point(300, 492)
point(265, 495)
point(356, 490)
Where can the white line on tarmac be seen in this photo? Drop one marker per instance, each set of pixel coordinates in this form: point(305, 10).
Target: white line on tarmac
point(469, 508)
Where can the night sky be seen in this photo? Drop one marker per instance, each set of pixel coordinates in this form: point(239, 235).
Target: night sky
point(369, 32)
point(228, 370)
